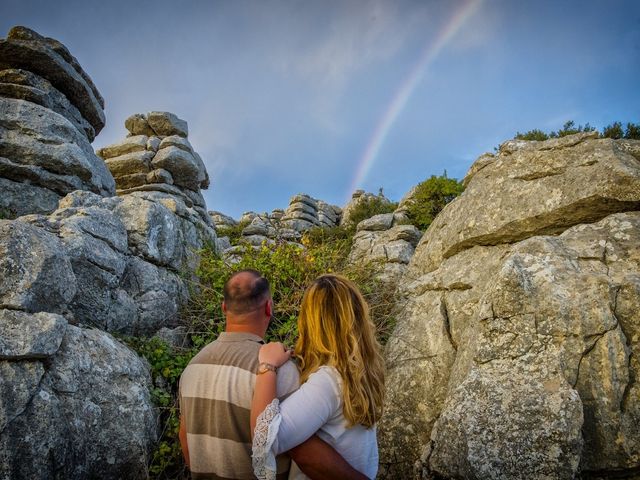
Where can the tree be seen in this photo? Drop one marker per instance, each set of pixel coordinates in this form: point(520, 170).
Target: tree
point(633, 131)
point(613, 131)
point(430, 197)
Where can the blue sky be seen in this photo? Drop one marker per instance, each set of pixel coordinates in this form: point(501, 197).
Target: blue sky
point(284, 97)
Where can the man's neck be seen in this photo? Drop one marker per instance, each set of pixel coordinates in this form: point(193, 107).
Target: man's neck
point(240, 328)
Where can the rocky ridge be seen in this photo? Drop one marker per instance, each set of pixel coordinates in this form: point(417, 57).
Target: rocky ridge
point(50, 111)
point(515, 353)
point(79, 263)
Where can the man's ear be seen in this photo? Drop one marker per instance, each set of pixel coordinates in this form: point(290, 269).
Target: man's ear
point(268, 308)
point(224, 307)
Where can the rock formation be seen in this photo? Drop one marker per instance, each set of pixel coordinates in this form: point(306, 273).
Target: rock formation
point(79, 263)
point(386, 242)
point(303, 213)
point(516, 349)
point(157, 157)
point(50, 111)
point(358, 197)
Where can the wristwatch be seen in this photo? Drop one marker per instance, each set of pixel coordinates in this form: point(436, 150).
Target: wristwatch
point(266, 367)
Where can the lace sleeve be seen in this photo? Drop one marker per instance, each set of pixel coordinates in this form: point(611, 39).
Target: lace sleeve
point(263, 458)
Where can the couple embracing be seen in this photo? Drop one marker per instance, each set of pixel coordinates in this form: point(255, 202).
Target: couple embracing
point(247, 410)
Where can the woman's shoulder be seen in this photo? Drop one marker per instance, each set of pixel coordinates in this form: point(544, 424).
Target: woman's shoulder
point(328, 377)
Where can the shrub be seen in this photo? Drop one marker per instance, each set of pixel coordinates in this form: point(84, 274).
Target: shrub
point(234, 233)
point(430, 197)
point(289, 269)
point(633, 131)
point(369, 206)
point(613, 131)
point(534, 134)
point(569, 128)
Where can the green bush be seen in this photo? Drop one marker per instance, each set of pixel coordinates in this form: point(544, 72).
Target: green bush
point(234, 233)
point(289, 268)
point(368, 207)
point(613, 131)
point(430, 197)
point(633, 131)
point(569, 128)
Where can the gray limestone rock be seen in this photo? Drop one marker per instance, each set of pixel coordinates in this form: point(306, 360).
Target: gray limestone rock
point(158, 295)
point(498, 331)
point(166, 124)
point(219, 219)
point(176, 141)
point(89, 416)
point(500, 423)
point(30, 336)
point(42, 146)
point(136, 143)
point(159, 175)
point(137, 124)
point(25, 49)
point(184, 167)
point(130, 163)
point(391, 250)
point(24, 85)
point(544, 188)
point(153, 231)
point(153, 144)
point(19, 199)
point(35, 273)
point(376, 223)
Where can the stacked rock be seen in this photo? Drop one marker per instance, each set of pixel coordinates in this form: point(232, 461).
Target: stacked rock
point(219, 220)
point(305, 212)
point(385, 241)
point(50, 111)
point(157, 157)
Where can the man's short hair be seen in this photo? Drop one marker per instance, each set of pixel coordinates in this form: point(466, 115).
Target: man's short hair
point(247, 296)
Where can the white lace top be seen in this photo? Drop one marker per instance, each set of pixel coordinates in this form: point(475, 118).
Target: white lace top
point(316, 407)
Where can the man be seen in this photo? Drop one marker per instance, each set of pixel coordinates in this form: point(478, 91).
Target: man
point(216, 390)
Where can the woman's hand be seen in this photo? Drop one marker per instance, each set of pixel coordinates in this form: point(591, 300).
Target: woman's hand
point(274, 353)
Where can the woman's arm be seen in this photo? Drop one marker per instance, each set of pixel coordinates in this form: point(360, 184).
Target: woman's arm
point(265, 390)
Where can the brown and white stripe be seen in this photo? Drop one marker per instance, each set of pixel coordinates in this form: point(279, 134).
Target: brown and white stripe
point(216, 390)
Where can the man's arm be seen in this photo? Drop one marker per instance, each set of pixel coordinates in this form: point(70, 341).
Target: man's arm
point(182, 434)
point(319, 461)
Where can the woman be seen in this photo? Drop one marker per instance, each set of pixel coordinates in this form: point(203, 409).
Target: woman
point(341, 376)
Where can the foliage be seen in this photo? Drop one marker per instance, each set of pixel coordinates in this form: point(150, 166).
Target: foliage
point(534, 134)
point(289, 269)
point(633, 131)
point(233, 232)
point(613, 130)
point(369, 206)
point(6, 214)
point(430, 197)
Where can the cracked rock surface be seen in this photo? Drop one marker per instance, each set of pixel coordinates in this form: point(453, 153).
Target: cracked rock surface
point(516, 349)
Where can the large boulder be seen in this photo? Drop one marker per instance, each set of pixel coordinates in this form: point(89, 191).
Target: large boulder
point(50, 111)
point(36, 275)
point(85, 412)
point(534, 188)
point(518, 360)
point(25, 49)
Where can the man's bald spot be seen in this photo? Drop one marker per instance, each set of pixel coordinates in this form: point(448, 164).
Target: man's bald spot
point(245, 292)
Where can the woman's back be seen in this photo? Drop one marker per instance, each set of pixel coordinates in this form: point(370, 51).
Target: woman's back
point(323, 393)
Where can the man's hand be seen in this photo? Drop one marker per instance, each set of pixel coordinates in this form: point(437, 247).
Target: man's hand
point(319, 461)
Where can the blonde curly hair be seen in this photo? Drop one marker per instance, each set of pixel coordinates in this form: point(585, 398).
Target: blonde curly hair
point(335, 329)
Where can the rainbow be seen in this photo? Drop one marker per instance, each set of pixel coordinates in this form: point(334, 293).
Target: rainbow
point(406, 88)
